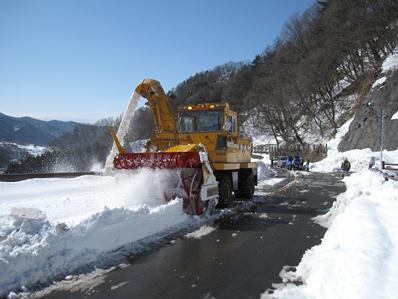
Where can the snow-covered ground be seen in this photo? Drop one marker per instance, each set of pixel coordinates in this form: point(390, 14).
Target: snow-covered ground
point(264, 172)
point(81, 219)
point(358, 256)
point(72, 200)
point(358, 158)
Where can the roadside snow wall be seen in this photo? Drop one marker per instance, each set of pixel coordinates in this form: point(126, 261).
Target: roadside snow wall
point(52, 227)
point(34, 251)
point(358, 256)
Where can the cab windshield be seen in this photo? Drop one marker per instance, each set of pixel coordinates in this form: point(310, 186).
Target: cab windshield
point(200, 121)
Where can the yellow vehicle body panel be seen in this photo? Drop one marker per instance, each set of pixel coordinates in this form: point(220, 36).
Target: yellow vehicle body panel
point(182, 148)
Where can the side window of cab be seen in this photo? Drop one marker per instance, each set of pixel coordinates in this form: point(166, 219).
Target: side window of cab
point(230, 123)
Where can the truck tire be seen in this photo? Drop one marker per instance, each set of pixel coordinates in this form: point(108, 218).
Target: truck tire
point(225, 191)
point(245, 185)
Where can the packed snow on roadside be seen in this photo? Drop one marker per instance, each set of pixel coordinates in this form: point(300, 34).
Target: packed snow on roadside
point(359, 158)
point(264, 172)
point(358, 256)
point(71, 200)
point(395, 116)
point(50, 227)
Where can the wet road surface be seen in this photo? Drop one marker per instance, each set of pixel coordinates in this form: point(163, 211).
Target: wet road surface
point(241, 258)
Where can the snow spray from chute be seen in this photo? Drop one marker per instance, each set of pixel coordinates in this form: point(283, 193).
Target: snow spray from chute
point(123, 130)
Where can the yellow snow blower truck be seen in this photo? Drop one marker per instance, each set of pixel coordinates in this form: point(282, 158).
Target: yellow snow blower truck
point(200, 145)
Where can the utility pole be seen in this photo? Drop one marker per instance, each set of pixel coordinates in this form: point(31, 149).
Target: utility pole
point(381, 136)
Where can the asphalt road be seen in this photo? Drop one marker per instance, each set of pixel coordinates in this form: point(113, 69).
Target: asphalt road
point(241, 258)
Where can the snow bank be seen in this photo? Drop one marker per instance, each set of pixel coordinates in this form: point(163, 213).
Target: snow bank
point(359, 158)
point(35, 250)
point(264, 172)
point(72, 200)
point(358, 256)
point(334, 157)
point(49, 227)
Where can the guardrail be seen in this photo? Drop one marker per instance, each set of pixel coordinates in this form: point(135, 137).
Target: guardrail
point(314, 152)
point(15, 177)
point(265, 148)
point(385, 165)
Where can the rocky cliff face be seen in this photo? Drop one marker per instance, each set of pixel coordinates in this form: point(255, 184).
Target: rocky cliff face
point(365, 130)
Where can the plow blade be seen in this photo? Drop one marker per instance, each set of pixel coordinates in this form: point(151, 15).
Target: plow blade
point(189, 177)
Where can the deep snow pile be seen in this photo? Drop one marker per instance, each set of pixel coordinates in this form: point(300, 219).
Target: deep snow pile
point(358, 256)
point(72, 200)
point(264, 172)
point(87, 217)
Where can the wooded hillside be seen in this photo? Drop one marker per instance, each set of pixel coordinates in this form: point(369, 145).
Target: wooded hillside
point(331, 51)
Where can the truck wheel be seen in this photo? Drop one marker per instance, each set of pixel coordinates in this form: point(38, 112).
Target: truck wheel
point(225, 191)
point(246, 185)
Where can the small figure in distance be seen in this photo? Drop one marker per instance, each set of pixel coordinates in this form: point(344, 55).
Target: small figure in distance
point(345, 167)
point(297, 162)
point(307, 165)
point(289, 162)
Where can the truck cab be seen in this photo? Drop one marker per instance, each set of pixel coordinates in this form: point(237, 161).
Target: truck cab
point(215, 125)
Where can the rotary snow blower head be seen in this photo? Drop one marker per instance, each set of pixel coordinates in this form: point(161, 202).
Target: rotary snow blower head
point(189, 175)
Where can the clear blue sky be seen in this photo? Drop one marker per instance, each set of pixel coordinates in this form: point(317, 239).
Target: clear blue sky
point(81, 59)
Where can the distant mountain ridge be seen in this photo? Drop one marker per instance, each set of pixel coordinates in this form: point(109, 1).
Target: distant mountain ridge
point(29, 130)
